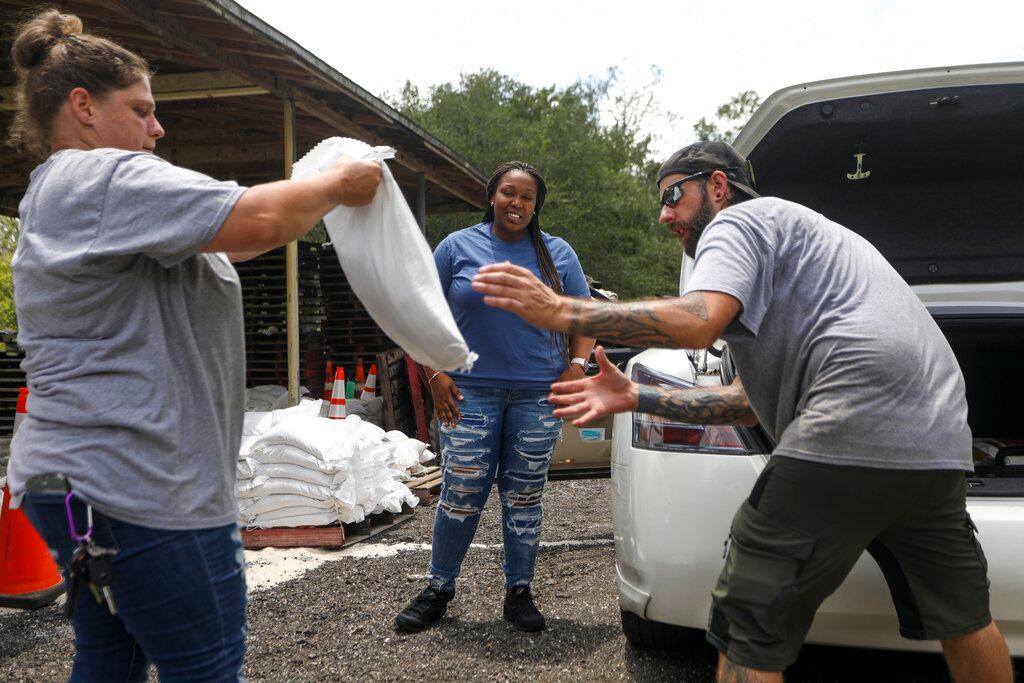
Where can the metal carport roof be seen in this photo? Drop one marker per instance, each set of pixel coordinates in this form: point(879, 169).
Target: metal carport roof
point(240, 100)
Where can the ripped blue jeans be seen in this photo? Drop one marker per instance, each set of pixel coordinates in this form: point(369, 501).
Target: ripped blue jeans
point(506, 434)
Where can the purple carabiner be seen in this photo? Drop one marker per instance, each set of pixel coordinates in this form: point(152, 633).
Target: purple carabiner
point(71, 522)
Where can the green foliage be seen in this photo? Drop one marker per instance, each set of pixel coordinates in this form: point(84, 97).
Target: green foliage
point(731, 118)
point(587, 143)
point(8, 242)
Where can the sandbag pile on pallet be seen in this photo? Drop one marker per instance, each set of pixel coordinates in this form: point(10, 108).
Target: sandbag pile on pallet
point(296, 468)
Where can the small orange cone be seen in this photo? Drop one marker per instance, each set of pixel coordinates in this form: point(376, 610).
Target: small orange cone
point(22, 410)
point(360, 378)
point(337, 410)
point(328, 381)
point(370, 390)
point(28, 575)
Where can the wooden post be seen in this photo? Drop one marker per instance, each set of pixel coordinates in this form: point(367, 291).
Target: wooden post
point(421, 201)
point(291, 267)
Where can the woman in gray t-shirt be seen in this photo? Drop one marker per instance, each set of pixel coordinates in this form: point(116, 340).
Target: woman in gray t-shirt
point(130, 315)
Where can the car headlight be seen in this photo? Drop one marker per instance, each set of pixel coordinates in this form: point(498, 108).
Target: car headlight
point(655, 433)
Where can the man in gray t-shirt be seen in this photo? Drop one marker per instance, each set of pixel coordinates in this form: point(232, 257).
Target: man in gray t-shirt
point(844, 368)
point(828, 371)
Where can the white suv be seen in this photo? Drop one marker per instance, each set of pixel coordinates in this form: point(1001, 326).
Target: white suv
point(928, 166)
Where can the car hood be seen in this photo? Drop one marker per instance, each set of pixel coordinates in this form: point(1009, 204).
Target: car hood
point(926, 165)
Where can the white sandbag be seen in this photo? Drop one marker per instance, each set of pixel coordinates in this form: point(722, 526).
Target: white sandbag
point(395, 436)
point(257, 423)
point(391, 496)
point(286, 471)
point(285, 454)
point(254, 423)
point(352, 517)
point(346, 494)
point(276, 502)
point(307, 406)
point(293, 511)
point(267, 519)
point(243, 470)
point(312, 519)
point(422, 452)
point(371, 409)
point(398, 457)
point(325, 439)
point(262, 486)
point(388, 263)
point(269, 397)
point(368, 431)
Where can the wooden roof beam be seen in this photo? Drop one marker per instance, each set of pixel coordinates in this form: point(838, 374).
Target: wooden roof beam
point(176, 87)
point(177, 31)
point(201, 85)
point(201, 155)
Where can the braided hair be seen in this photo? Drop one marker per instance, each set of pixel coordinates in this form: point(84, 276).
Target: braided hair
point(549, 273)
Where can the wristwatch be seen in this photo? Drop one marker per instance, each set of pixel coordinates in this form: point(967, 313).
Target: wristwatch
point(582, 362)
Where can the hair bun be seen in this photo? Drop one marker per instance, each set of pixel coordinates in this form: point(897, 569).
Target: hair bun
point(37, 35)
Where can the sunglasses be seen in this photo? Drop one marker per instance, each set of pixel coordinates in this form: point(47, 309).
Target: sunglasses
point(674, 192)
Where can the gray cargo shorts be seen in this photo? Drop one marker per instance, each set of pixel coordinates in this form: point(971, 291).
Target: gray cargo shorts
point(804, 526)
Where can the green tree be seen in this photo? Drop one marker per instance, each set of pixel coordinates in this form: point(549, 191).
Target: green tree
point(590, 146)
point(730, 118)
point(8, 241)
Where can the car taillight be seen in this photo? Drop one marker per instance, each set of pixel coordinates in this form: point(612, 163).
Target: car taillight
point(655, 433)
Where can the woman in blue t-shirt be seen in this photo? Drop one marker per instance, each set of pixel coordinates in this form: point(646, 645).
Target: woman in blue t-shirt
point(496, 421)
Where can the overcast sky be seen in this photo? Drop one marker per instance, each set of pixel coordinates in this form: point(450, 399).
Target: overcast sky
point(706, 52)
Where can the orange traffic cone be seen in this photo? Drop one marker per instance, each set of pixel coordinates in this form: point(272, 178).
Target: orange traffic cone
point(337, 410)
point(370, 389)
point(360, 376)
point(22, 410)
point(328, 381)
point(28, 575)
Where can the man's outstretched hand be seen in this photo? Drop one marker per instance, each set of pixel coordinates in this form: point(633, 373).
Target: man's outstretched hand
point(517, 289)
point(605, 393)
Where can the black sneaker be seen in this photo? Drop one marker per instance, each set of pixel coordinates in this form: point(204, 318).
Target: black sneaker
point(520, 610)
point(426, 610)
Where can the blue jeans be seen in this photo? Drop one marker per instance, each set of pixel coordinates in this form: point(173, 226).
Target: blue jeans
point(504, 433)
point(180, 598)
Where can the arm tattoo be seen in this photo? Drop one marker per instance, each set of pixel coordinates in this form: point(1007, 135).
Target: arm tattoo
point(643, 323)
point(700, 405)
point(693, 303)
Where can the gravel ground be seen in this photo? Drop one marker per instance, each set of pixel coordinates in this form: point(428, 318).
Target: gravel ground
point(335, 622)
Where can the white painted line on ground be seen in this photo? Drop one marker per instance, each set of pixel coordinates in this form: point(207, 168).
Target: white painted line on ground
point(271, 566)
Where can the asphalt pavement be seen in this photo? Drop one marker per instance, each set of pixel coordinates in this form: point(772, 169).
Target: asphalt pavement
point(334, 621)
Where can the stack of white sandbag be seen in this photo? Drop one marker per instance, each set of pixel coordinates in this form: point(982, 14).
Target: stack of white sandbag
point(268, 397)
point(298, 469)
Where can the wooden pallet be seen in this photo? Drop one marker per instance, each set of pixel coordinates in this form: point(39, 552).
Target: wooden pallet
point(265, 308)
point(393, 386)
point(426, 486)
point(324, 536)
point(376, 524)
point(11, 380)
point(294, 537)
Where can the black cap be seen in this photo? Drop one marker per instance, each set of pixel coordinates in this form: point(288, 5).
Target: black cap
point(712, 155)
